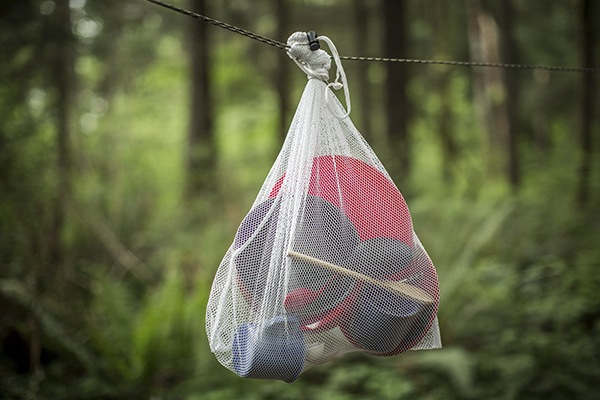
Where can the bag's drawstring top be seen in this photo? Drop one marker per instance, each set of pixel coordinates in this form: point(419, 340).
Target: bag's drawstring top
point(316, 65)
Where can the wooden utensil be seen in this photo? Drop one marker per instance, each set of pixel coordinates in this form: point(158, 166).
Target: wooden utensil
point(396, 287)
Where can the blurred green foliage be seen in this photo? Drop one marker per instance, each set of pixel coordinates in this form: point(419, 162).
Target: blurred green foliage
point(120, 314)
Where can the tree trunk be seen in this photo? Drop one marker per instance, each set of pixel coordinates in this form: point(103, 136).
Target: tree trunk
point(540, 129)
point(489, 86)
point(445, 127)
point(589, 7)
point(50, 268)
point(510, 55)
point(201, 156)
point(282, 85)
point(441, 30)
point(64, 78)
point(396, 102)
point(361, 18)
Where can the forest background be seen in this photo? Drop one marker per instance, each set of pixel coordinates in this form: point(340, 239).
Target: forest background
point(133, 140)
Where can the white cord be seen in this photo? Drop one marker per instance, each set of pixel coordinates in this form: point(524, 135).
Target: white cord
point(339, 73)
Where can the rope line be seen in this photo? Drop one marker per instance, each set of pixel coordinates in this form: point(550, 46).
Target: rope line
point(476, 64)
point(283, 46)
point(223, 25)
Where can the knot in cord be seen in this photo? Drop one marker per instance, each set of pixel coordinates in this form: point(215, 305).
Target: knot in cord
point(316, 65)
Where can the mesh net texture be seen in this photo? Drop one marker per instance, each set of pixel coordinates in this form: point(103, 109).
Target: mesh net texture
point(325, 262)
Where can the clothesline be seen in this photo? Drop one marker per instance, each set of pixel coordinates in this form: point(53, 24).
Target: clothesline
point(283, 46)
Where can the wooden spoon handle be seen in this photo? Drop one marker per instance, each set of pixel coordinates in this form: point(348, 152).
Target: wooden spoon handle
point(399, 288)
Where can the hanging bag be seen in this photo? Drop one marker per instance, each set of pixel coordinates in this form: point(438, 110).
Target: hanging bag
point(326, 261)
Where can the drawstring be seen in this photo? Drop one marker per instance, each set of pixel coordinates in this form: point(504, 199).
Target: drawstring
point(316, 65)
point(339, 73)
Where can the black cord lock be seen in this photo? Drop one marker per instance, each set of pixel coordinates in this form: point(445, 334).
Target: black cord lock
point(312, 40)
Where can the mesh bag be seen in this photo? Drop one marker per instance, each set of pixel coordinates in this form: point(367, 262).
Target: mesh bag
point(326, 261)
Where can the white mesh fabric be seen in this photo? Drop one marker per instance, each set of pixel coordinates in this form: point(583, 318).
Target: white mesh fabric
point(326, 261)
